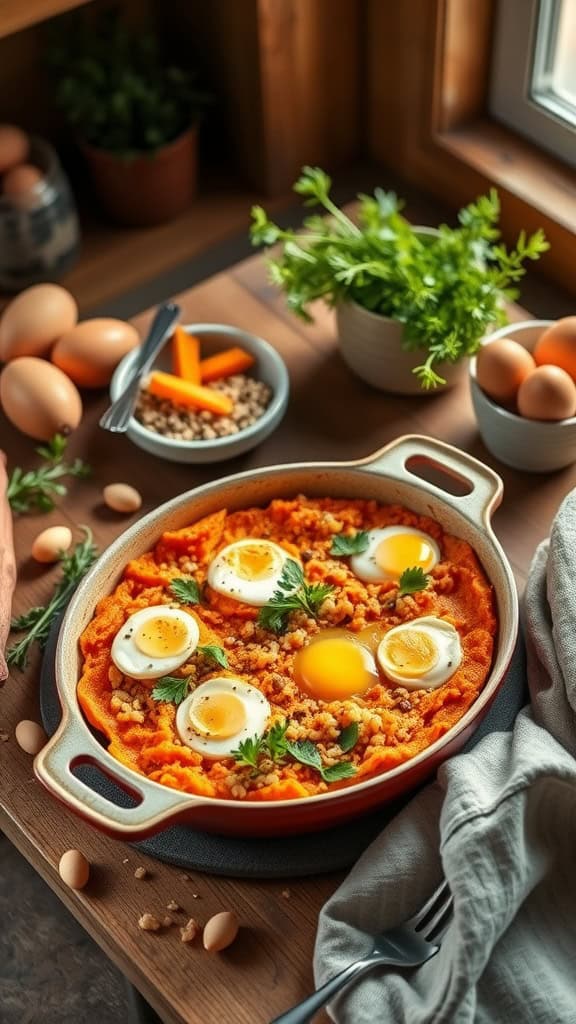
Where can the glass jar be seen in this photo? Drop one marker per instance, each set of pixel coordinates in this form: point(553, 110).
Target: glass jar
point(39, 234)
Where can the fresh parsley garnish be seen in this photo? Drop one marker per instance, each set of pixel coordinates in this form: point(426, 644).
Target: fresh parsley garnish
point(217, 654)
point(248, 752)
point(171, 689)
point(185, 590)
point(36, 490)
point(307, 753)
point(412, 580)
point(292, 594)
point(346, 544)
point(37, 621)
point(276, 741)
point(348, 738)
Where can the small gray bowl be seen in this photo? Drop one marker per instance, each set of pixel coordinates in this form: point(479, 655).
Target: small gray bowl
point(269, 367)
point(536, 446)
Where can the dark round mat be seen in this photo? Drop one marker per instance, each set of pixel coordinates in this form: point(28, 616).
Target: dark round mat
point(285, 857)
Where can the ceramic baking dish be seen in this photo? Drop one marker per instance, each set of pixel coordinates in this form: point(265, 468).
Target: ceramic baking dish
point(388, 476)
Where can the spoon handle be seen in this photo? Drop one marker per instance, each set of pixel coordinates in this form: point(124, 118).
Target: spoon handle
point(117, 416)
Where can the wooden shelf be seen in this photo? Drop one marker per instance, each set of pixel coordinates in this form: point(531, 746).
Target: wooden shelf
point(18, 14)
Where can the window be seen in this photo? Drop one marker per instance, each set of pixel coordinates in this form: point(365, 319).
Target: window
point(534, 72)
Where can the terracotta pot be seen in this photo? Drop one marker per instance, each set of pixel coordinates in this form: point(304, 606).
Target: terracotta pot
point(371, 345)
point(386, 477)
point(147, 189)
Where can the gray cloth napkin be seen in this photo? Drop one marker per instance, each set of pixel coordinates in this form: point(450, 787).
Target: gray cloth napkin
point(500, 822)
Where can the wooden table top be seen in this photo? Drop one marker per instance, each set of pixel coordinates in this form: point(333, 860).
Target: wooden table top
point(332, 415)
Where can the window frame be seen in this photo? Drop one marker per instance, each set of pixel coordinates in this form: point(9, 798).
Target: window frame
point(513, 97)
point(428, 72)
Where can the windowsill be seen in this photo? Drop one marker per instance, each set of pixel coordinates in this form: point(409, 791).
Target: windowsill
point(518, 166)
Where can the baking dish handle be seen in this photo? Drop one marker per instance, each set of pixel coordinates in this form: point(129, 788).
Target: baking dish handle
point(72, 745)
point(483, 486)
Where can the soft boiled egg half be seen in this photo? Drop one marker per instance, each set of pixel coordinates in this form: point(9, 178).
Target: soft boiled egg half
point(155, 641)
point(220, 714)
point(423, 653)
point(393, 549)
point(248, 570)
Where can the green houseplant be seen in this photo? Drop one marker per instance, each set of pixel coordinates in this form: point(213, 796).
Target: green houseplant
point(410, 301)
point(134, 114)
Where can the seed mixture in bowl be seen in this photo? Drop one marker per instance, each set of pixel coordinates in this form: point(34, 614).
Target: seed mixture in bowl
point(250, 400)
point(280, 652)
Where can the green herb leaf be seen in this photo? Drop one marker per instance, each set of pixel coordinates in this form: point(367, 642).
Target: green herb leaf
point(345, 544)
point(305, 752)
point(342, 770)
point(171, 689)
point(38, 620)
point(36, 489)
point(217, 654)
point(249, 751)
point(348, 738)
point(276, 741)
point(412, 580)
point(185, 590)
point(292, 594)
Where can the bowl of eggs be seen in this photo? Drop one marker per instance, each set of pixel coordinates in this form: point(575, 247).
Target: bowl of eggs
point(523, 385)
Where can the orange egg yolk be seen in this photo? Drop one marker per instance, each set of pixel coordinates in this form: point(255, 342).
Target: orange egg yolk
point(254, 561)
point(334, 667)
point(218, 715)
point(161, 638)
point(404, 551)
point(411, 653)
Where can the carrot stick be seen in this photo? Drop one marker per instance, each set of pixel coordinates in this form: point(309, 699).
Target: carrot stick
point(186, 355)
point(7, 566)
point(224, 364)
point(184, 392)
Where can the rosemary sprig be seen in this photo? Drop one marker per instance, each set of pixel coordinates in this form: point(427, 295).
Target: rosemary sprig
point(38, 621)
point(36, 490)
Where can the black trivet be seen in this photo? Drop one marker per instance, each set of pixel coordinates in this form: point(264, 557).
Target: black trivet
point(286, 857)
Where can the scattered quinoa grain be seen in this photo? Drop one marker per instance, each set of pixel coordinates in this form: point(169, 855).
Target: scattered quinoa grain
point(286, 894)
point(140, 872)
point(173, 906)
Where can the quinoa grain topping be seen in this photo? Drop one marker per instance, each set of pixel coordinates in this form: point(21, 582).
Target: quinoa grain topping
point(250, 397)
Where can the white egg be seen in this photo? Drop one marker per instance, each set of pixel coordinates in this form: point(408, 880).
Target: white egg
point(391, 550)
point(421, 654)
point(220, 714)
point(248, 570)
point(154, 642)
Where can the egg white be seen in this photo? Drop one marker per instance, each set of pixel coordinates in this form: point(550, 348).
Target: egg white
point(223, 578)
point(446, 641)
point(365, 566)
point(257, 713)
point(133, 662)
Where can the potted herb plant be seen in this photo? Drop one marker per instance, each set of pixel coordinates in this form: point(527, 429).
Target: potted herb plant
point(411, 303)
point(135, 116)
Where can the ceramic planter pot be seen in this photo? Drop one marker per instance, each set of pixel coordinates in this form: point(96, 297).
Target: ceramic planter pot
point(149, 189)
point(371, 345)
point(385, 476)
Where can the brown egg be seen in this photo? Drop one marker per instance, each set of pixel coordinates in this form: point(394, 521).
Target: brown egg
point(39, 399)
point(49, 545)
point(74, 869)
point(548, 393)
point(501, 367)
point(14, 146)
point(220, 931)
point(23, 185)
point(557, 346)
point(122, 498)
point(30, 736)
point(34, 320)
point(91, 351)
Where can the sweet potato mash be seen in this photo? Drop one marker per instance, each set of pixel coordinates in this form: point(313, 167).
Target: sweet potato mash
point(393, 722)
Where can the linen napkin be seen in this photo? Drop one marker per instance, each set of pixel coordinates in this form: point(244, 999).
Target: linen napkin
point(500, 823)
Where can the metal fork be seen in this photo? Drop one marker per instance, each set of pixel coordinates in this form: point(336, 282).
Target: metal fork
point(117, 416)
point(408, 945)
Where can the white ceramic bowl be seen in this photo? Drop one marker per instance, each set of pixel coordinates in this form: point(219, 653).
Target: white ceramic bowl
point(269, 367)
point(537, 446)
